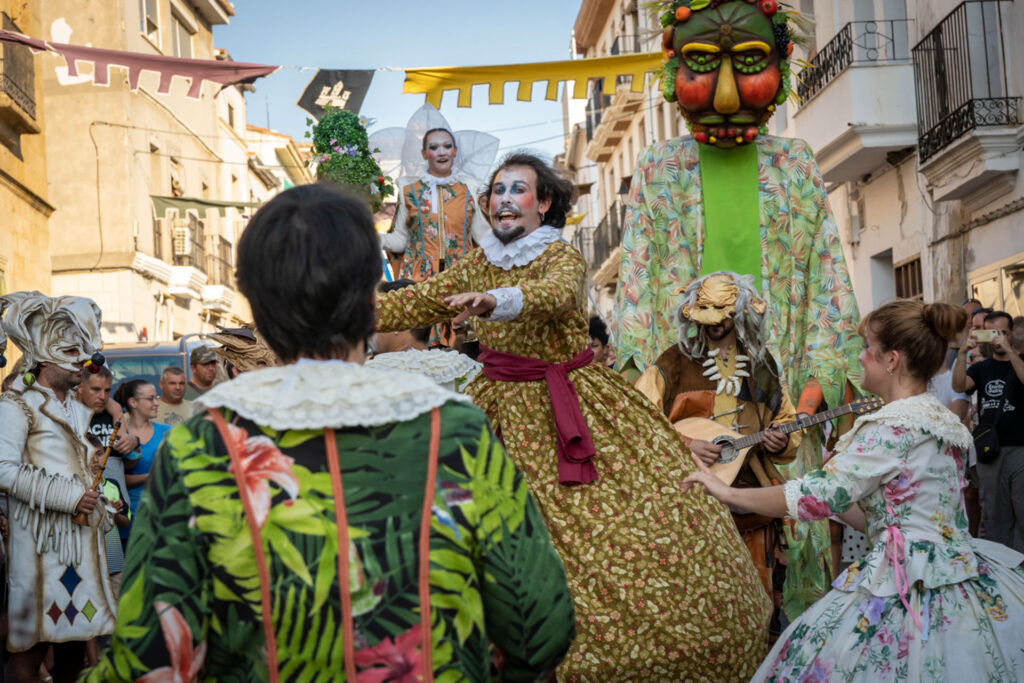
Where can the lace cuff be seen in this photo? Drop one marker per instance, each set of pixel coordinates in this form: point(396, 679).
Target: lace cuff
point(792, 491)
point(510, 304)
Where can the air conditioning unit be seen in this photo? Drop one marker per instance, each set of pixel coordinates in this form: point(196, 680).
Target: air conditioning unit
point(182, 239)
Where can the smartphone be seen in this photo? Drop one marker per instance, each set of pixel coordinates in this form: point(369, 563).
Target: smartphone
point(985, 336)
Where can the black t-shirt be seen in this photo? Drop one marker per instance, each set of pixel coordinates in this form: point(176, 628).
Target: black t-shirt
point(993, 380)
point(102, 426)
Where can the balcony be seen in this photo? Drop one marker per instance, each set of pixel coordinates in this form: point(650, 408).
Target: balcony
point(608, 234)
point(857, 101)
point(609, 117)
point(17, 88)
point(967, 119)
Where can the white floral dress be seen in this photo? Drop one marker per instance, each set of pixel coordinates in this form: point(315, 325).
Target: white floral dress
point(928, 601)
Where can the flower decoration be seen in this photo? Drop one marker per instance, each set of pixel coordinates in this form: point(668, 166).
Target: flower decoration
point(396, 661)
point(261, 461)
point(186, 661)
point(343, 156)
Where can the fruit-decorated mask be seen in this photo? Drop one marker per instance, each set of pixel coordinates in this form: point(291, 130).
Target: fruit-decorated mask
point(726, 66)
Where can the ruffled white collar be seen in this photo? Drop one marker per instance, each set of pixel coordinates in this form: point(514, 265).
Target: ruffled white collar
point(922, 412)
point(317, 394)
point(519, 252)
point(432, 180)
point(440, 365)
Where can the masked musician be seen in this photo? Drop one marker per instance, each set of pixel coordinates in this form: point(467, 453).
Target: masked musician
point(721, 370)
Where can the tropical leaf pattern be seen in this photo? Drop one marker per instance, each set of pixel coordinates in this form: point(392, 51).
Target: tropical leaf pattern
point(812, 311)
point(192, 600)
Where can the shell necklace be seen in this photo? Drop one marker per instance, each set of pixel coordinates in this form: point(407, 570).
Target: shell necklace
point(716, 369)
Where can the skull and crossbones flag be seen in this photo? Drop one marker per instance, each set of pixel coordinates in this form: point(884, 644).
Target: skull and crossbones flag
point(335, 88)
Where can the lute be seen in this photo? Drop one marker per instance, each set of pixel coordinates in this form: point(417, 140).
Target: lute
point(735, 447)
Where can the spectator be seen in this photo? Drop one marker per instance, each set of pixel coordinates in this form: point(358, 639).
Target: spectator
point(390, 342)
point(970, 306)
point(173, 406)
point(598, 340)
point(94, 393)
point(117, 494)
point(138, 399)
point(1017, 339)
point(1000, 384)
point(204, 372)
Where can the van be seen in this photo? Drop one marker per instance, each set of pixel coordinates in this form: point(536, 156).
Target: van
point(147, 360)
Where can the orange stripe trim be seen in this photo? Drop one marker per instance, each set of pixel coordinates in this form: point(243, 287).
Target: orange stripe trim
point(426, 661)
point(341, 518)
point(257, 546)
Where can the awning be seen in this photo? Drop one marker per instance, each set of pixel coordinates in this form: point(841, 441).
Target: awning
point(184, 204)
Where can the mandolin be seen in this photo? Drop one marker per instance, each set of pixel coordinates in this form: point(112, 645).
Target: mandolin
point(735, 447)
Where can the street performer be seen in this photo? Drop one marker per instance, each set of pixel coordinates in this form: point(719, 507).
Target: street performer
point(59, 591)
point(661, 583)
point(721, 370)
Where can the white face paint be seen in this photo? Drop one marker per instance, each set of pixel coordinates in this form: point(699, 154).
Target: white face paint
point(514, 209)
point(439, 151)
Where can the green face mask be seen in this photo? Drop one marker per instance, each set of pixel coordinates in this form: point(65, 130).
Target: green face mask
point(730, 72)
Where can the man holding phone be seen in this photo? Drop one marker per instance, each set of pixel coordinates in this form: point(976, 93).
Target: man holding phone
point(1000, 383)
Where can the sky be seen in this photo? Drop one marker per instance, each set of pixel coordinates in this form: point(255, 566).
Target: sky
point(345, 34)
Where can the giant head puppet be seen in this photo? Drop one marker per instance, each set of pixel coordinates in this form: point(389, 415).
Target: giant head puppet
point(63, 330)
point(726, 65)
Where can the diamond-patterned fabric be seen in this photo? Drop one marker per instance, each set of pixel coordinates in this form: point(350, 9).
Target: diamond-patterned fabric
point(54, 612)
point(71, 611)
point(70, 579)
point(89, 611)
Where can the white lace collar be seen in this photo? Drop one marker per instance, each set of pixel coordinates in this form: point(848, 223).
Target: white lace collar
point(428, 178)
point(440, 365)
point(317, 394)
point(519, 252)
point(921, 412)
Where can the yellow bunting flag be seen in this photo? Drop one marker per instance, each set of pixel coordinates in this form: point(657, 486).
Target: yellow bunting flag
point(433, 82)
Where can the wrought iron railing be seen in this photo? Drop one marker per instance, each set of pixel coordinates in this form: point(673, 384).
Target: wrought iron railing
point(596, 104)
point(608, 233)
point(858, 42)
point(960, 77)
point(219, 265)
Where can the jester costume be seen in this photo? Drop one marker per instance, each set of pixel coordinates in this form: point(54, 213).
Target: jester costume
point(731, 198)
point(59, 586)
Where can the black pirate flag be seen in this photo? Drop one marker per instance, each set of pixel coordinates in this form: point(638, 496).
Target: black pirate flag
point(335, 88)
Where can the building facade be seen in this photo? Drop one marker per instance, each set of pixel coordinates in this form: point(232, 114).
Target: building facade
point(152, 191)
point(24, 205)
point(913, 109)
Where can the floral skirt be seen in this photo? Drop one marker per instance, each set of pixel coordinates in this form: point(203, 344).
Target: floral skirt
point(664, 588)
point(971, 631)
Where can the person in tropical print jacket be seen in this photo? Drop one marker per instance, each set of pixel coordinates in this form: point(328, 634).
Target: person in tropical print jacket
point(385, 480)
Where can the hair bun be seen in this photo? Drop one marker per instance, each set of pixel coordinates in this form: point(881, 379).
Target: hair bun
point(945, 319)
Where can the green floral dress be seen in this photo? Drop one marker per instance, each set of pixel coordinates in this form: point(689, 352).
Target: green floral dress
point(812, 311)
point(663, 587)
point(927, 602)
point(191, 603)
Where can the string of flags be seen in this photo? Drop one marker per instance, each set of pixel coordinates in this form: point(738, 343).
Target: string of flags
point(347, 88)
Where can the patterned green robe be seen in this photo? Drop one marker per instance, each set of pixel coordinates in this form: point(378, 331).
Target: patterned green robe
point(191, 597)
point(812, 312)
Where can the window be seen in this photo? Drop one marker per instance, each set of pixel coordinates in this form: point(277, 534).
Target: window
point(181, 38)
point(908, 279)
point(1001, 285)
point(17, 81)
point(231, 116)
point(150, 20)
